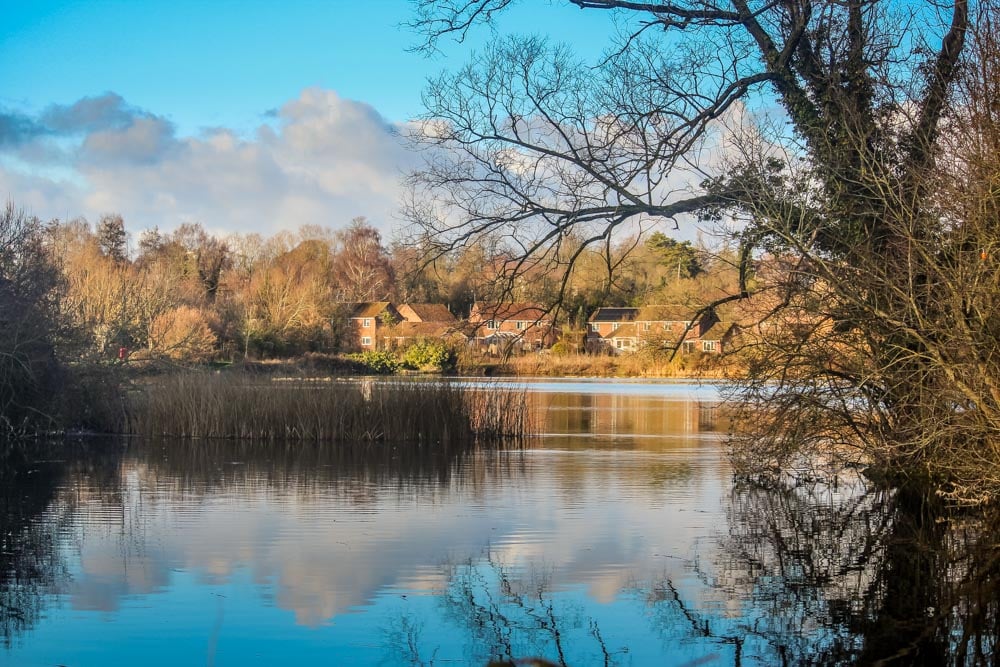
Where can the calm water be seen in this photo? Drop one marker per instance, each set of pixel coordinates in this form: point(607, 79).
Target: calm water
point(618, 538)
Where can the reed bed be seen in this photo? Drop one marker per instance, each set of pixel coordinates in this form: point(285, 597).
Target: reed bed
point(197, 405)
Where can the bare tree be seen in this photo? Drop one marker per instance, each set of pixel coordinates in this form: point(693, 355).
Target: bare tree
point(362, 269)
point(824, 130)
point(30, 327)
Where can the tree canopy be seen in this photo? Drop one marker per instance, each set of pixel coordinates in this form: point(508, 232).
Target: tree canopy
point(838, 136)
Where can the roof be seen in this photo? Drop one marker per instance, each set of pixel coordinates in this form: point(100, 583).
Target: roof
point(624, 331)
point(613, 315)
point(717, 331)
point(369, 308)
point(426, 312)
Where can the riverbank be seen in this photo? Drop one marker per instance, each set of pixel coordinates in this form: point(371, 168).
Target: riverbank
point(694, 366)
point(606, 366)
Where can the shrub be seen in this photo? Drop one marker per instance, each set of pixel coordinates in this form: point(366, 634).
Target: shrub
point(376, 362)
point(560, 349)
point(430, 355)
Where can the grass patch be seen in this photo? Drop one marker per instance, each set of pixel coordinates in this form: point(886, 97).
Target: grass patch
point(230, 405)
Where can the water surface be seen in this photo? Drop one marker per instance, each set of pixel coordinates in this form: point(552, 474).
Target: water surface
point(617, 538)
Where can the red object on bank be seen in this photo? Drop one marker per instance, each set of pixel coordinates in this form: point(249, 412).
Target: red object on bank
point(122, 353)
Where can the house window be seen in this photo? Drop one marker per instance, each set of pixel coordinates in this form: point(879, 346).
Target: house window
point(615, 325)
point(366, 341)
point(519, 324)
point(688, 346)
point(708, 346)
point(618, 343)
point(367, 322)
point(595, 327)
point(490, 324)
point(646, 326)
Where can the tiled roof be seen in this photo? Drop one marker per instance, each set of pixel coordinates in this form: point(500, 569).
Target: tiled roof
point(613, 315)
point(717, 331)
point(624, 331)
point(426, 312)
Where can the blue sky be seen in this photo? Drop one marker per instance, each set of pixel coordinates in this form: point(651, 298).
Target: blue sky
point(245, 116)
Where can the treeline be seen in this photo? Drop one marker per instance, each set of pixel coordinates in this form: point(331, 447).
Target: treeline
point(193, 296)
point(78, 297)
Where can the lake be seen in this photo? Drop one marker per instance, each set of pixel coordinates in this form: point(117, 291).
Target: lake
point(617, 537)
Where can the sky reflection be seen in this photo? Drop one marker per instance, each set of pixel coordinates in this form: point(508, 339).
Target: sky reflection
point(222, 553)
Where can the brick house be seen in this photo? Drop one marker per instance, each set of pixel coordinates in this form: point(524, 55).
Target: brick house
point(514, 326)
point(621, 330)
point(369, 321)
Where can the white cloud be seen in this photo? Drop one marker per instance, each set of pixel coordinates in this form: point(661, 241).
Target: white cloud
point(322, 160)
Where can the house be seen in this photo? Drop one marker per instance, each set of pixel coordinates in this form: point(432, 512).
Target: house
point(661, 327)
point(369, 320)
point(512, 326)
point(425, 321)
point(604, 321)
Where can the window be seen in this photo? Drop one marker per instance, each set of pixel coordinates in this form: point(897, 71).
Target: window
point(595, 327)
point(519, 324)
point(367, 322)
point(615, 325)
point(688, 346)
point(618, 343)
point(708, 346)
point(366, 341)
point(490, 324)
point(646, 326)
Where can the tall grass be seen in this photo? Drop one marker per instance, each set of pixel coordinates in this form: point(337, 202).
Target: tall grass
point(196, 405)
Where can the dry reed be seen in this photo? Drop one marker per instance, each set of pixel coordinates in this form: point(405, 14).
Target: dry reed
point(197, 405)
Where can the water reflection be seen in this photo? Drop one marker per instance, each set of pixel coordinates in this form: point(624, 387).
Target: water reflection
point(33, 515)
point(604, 543)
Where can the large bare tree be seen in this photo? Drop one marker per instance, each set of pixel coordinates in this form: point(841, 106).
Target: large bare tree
point(836, 134)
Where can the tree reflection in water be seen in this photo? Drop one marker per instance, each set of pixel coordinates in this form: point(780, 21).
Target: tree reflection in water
point(815, 575)
point(32, 518)
point(510, 615)
point(835, 575)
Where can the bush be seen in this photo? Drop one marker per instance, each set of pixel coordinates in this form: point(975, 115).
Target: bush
point(376, 362)
point(430, 355)
point(560, 349)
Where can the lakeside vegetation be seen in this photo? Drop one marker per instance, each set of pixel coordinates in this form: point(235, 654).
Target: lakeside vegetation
point(236, 406)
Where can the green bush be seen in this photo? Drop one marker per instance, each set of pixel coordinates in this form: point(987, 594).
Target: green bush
point(561, 349)
point(430, 355)
point(376, 362)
